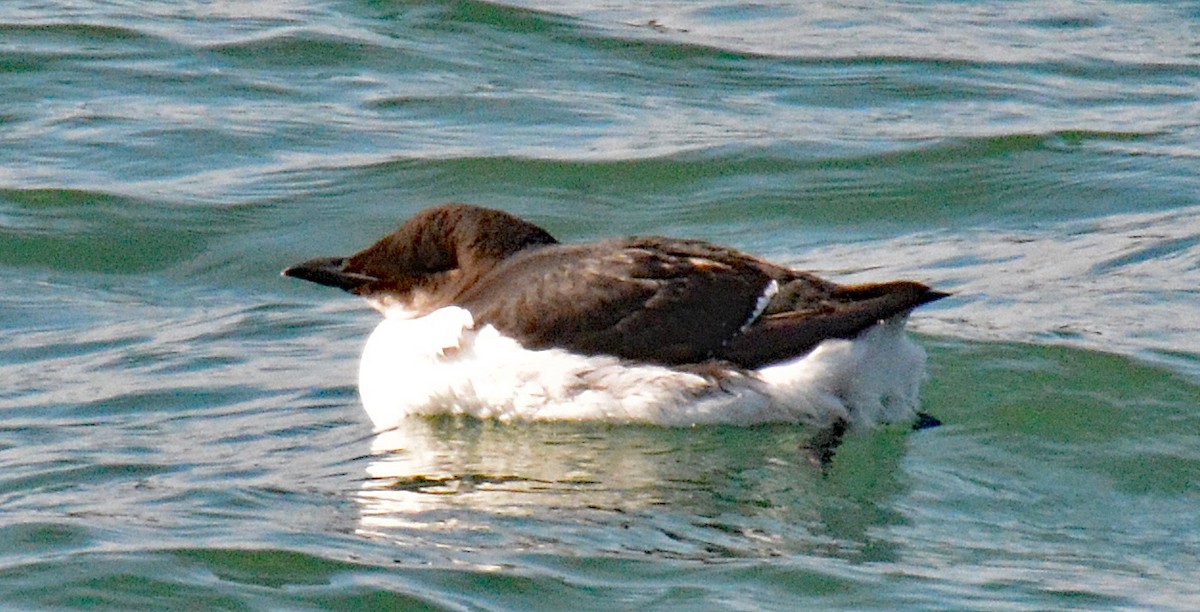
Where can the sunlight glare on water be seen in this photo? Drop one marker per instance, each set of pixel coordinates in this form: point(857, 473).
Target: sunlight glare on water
point(180, 425)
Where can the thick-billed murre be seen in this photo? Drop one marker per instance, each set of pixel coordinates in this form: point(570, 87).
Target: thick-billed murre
point(487, 314)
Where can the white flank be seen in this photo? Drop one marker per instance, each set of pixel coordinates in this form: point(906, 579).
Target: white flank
point(442, 364)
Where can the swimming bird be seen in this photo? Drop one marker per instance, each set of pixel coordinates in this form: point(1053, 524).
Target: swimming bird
point(487, 314)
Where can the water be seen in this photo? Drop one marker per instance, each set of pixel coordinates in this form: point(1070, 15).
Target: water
point(179, 425)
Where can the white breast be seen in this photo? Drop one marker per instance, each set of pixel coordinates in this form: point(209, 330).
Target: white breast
point(441, 363)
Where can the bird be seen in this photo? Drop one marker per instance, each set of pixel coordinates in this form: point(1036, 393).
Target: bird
point(488, 315)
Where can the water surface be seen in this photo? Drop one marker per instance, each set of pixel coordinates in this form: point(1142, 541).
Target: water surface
point(179, 425)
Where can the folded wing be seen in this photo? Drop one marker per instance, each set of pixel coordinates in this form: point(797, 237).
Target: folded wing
point(675, 302)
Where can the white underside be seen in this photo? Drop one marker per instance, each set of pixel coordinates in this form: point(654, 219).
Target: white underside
point(442, 364)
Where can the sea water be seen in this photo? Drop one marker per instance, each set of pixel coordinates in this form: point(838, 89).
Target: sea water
point(180, 428)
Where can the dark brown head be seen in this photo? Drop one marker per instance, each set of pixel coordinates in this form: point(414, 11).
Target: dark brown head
point(428, 259)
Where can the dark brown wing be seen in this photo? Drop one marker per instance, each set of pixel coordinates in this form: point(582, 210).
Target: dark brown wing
point(806, 312)
point(652, 299)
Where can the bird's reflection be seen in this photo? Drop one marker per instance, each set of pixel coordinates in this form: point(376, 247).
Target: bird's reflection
point(457, 482)
point(425, 468)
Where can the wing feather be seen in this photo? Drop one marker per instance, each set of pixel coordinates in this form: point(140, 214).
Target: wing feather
point(653, 299)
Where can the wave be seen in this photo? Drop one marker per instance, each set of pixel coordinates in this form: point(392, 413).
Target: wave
point(1118, 283)
point(80, 230)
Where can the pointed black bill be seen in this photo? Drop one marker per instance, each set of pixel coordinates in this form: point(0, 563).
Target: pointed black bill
point(328, 271)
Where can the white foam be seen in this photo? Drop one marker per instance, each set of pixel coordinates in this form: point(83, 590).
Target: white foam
point(442, 364)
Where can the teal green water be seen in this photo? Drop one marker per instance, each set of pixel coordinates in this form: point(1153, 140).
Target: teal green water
point(179, 426)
